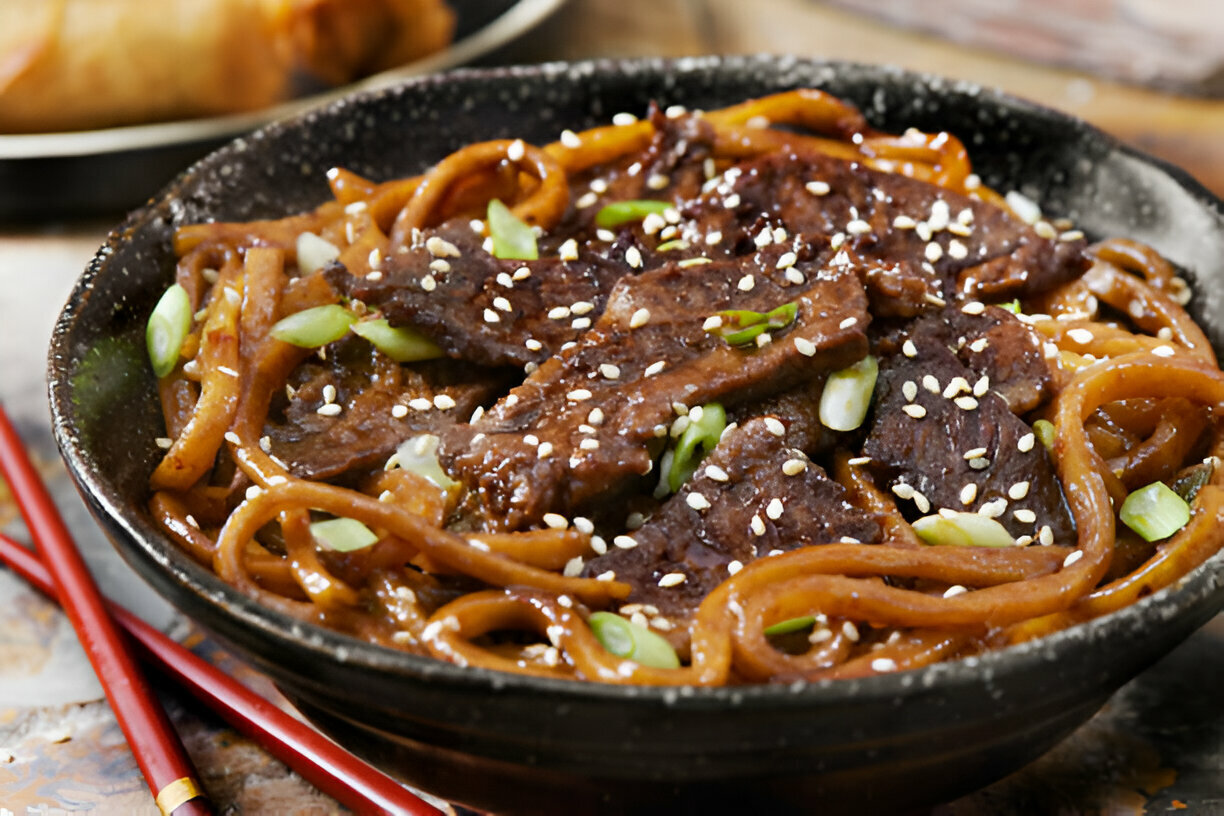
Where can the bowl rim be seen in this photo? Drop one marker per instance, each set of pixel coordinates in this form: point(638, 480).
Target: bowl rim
point(1189, 591)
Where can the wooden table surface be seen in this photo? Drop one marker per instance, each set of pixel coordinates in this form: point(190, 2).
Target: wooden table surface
point(1158, 746)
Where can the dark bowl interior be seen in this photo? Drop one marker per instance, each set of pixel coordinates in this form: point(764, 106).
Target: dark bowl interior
point(518, 744)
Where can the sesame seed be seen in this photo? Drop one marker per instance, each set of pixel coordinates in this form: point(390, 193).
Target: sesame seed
point(581, 323)
point(1025, 443)
point(980, 463)
point(910, 350)
point(923, 230)
point(968, 493)
point(164, 442)
point(793, 467)
point(847, 323)
point(973, 307)
point(957, 250)
point(903, 491)
point(794, 276)
point(955, 386)
point(774, 509)
point(581, 307)
point(909, 389)
point(1081, 336)
point(1024, 515)
point(975, 453)
point(420, 404)
point(712, 322)
point(914, 410)
point(856, 461)
point(933, 252)
point(657, 181)
point(330, 409)
point(522, 273)
point(399, 411)
point(850, 631)
point(883, 664)
point(610, 371)
point(585, 200)
point(491, 316)
point(578, 395)
point(858, 227)
point(443, 402)
point(787, 260)
point(763, 339)
point(441, 248)
point(639, 318)
point(516, 150)
point(633, 257)
point(921, 502)
point(568, 251)
point(544, 450)
point(979, 345)
point(930, 383)
point(818, 188)
point(954, 590)
point(429, 283)
point(717, 474)
point(672, 579)
point(734, 567)
point(556, 521)
point(993, 509)
point(904, 222)
point(596, 417)
point(610, 575)
point(732, 201)
point(1018, 491)
point(623, 119)
point(589, 444)
point(697, 501)
point(775, 426)
point(1045, 229)
point(654, 368)
point(981, 386)
point(573, 567)
point(232, 438)
point(1072, 557)
point(805, 347)
point(1163, 351)
point(570, 139)
point(605, 235)
point(746, 283)
point(757, 525)
point(1045, 535)
point(966, 403)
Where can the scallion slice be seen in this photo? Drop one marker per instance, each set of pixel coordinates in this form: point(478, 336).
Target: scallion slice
point(1012, 306)
point(168, 326)
point(313, 252)
point(401, 343)
point(512, 239)
point(1154, 512)
point(342, 534)
point(741, 326)
point(419, 454)
point(847, 395)
point(311, 328)
point(1043, 429)
point(792, 625)
point(626, 639)
point(962, 530)
point(622, 212)
point(698, 439)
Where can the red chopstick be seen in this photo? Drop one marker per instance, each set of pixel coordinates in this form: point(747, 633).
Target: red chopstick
point(327, 766)
point(156, 746)
point(318, 760)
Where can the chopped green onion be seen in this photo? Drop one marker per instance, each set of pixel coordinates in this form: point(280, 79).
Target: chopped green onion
point(1043, 429)
point(632, 642)
point(419, 454)
point(313, 252)
point(962, 530)
point(1192, 479)
point(792, 625)
point(314, 327)
point(703, 434)
point(1012, 306)
point(740, 326)
point(668, 246)
point(168, 327)
point(400, 343)
point(342, 534)
point(512, 239)
point(622, 212)
point(1155, 511)
point(847, 395)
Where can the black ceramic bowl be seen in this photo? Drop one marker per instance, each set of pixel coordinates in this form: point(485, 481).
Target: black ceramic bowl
point(519, 744)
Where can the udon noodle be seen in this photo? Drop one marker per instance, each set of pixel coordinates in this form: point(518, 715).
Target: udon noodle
point(924, 405)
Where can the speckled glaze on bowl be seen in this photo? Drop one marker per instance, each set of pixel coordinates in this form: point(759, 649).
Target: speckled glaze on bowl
point(518, 744)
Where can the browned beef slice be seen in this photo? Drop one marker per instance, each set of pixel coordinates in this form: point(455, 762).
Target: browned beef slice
point(368, 385)
point(994, 342)
point(929, 453)
point(990, 254)
point(475, 307)
point(592, 418)
point(739, 480)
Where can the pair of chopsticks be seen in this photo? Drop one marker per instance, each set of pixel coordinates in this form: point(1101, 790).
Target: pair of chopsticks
point(61, 573)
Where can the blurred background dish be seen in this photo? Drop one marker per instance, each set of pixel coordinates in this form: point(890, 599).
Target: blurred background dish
point(107, 170)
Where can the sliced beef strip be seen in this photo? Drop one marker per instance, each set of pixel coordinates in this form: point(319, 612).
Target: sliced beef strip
point(929, 452)
point(592, 418)
point(368, 385)
point(989, 254)
point(739, 480)
point(481, 308)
